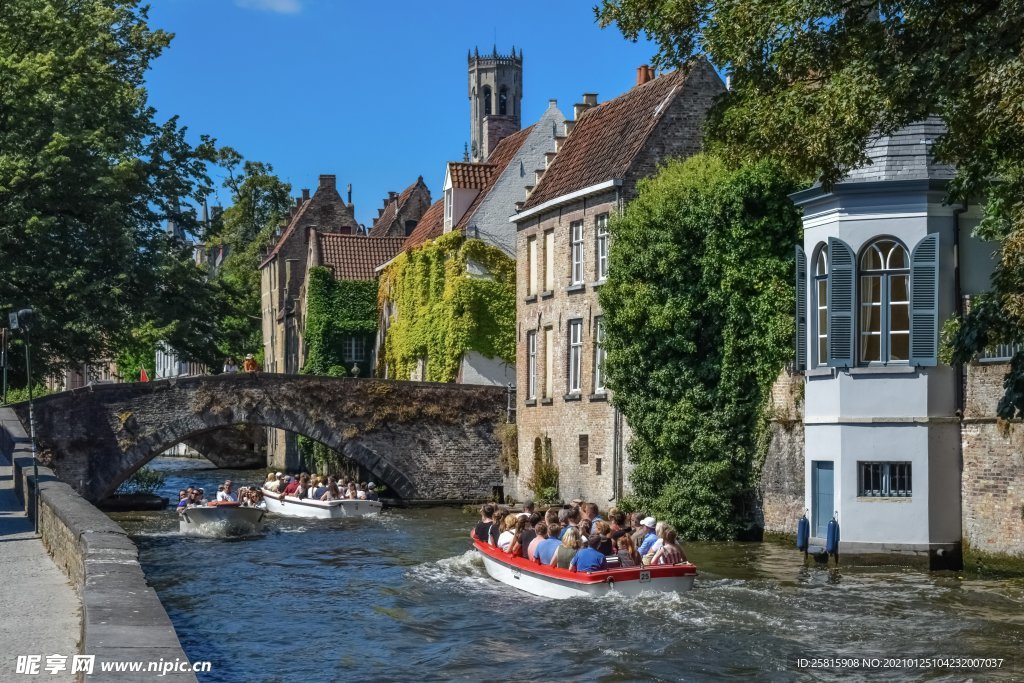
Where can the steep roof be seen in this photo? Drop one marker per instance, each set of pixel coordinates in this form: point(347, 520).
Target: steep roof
point(607, 138)
point(392, 209)
point(904, 155)
point(431, 226)
point(286, 233)
point(500, 158)
point(354, 257)
point(466, 174)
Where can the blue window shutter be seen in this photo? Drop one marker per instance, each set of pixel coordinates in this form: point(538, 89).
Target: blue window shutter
point(801, 309)
point(842, 302)
point(924, 301)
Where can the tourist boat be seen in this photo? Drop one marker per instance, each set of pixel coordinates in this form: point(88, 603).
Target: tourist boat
point(222, 518)
point(290, 506)
point(551, 582)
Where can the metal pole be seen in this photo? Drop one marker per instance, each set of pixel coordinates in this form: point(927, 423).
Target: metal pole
point(32, 432)
point(3, 357)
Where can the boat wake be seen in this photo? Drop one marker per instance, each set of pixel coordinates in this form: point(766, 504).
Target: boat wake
point(465, 571)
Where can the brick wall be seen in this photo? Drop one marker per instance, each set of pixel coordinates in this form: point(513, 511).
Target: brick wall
point(993, 468)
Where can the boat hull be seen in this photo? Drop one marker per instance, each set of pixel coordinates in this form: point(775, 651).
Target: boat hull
point(561, 584)
point(290, 506)
point(221, 521)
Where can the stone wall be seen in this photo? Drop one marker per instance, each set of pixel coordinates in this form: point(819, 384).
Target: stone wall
point(781, 485)
point(993, 468)
point(122, 617)
point(238, 447)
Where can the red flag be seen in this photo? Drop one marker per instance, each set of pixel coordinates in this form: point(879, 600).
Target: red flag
point(143, 377)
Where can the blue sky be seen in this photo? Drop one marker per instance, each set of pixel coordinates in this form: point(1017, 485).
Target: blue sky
point(373, 92)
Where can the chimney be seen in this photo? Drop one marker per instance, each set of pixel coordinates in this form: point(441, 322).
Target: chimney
point(569, 125)
point(578, 109)
point(350, 194)
point(644, 74)
point(298, 202)
point(305, 194)
point(328, 181)
point(548, 158)
point(590, 99)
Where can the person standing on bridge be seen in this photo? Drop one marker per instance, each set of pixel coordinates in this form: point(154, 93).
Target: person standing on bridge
point(250, 365)
point(230, 366)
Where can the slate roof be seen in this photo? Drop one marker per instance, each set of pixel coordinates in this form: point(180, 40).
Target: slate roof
point(607, 138)
point(431, 226)
point(904, 155)
point(500, 158)
point(355, 257)
point(391, 211)
point(467, 175)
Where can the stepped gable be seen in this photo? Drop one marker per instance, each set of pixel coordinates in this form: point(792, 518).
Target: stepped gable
point(382, 224)
point(904, 155)
point(468, 175)
point(354, 257)
point(499, 159)
point(431, 226)
point(607, 138)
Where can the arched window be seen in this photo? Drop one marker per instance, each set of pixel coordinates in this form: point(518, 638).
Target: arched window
point(487, 100)
point(884, 302)
point(821, 305)
point(503, 101)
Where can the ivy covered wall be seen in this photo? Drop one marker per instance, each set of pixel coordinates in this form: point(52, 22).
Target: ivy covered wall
point(335, 311)
point(452, 295)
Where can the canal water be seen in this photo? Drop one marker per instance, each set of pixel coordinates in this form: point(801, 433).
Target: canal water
point(399, 597)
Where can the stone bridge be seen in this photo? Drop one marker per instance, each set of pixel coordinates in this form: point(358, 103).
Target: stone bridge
point(425, 441)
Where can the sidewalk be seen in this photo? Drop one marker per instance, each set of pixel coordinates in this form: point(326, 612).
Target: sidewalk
point(40, 613)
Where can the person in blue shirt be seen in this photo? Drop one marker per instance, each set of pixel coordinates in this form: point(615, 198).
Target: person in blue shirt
point(546, 549)
point(589, 559)
point(649, 537)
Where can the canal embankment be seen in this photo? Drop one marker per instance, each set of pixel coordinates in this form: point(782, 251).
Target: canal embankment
point(121, 618)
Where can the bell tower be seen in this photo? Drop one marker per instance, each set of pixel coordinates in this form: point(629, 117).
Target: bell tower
point(495, 99)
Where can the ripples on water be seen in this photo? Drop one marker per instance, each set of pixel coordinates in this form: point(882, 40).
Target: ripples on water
point(399, 597)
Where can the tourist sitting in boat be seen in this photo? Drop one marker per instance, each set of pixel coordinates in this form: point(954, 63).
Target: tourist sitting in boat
point(198, 497)
point(525, 536)
point(318, 487)
point(589, 558)
point(617, 520)
point(270, 481)
point(332, 492)
point(350, 492)
point(361, 492)
point(669, 552)
point(371, 492)
point(546, 548)
point(659, 531)
point(508, 532)
point(567, 550)
point(224, 493)
point(627, 554)
point(601, 530)
point(274, 482)
point(551, 519)
point(528, 509)
point(292, 486)
point(540, 530)
point(647, 535)
point(486, 530)
point(584, 529)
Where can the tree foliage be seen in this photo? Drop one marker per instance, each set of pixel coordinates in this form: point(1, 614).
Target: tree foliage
point(699, 314)
point(87, 176)
point(335, 311)
point(814, 80)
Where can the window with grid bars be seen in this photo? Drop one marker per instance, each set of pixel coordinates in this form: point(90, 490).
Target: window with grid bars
point(884, 480)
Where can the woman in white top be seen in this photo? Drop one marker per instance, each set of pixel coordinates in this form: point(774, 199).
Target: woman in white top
point(230, 367)
point(508, 532)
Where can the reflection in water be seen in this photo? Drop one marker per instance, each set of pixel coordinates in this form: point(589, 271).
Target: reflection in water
point(400, 597)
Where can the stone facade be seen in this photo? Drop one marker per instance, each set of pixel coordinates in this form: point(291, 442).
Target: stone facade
point(781, 480)
point(424, 441)
point(401, 211)
point(592, 175)
point(495, 92)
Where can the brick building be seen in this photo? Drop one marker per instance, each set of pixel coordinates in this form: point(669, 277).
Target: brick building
point(562, 259)
point(401, 211)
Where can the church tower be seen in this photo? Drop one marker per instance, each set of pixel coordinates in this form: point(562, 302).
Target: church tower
point(495, 100)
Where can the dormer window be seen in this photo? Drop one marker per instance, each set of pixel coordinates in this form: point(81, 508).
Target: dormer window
point(448, 207)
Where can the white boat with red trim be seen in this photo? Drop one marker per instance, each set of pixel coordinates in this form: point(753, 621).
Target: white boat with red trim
point(290, 506)
point(222, 518)
point(551, 582)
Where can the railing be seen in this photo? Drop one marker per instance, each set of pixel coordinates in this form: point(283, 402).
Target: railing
point(999, 353)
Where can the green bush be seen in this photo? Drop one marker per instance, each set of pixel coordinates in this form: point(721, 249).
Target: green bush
point(145, 480)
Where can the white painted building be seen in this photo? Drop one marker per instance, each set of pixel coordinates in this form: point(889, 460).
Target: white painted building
point(883, 263)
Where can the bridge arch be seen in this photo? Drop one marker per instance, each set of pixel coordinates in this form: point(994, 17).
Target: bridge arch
point(425, 441)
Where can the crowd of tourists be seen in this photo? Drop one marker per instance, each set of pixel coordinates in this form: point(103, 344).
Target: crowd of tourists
point(246, 497)
point(320, 487)
point(576, 537)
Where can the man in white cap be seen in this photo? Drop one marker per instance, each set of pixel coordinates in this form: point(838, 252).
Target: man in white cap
point(650, 537)
point(250, 365)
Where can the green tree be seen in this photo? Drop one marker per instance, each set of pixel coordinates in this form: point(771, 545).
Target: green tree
point(87, 176)
point(699, 314)
point(259, 201)
point(813, 80)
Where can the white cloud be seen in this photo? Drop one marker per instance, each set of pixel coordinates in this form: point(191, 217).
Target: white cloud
point(278, 6)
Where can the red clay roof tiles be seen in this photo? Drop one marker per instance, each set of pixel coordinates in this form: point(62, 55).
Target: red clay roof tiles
point(467, 175)
point(354, 257)
point(499, 159)
point(431, 226)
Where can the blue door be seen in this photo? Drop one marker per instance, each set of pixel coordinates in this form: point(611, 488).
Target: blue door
point(822, 496)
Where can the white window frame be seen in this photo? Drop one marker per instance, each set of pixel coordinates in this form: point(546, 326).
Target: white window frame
point(575, 356)
point(599, 356)
point(531, 266)
point(820, 293)
point(355, 349)
point(885, 304)
point(576, 253)
point(549, 362)
point(549, 261)
point(601, 246)
point(531, 365)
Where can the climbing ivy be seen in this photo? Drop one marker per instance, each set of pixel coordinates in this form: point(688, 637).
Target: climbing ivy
point(452, 295)
point(699, 314)
point(336, 310)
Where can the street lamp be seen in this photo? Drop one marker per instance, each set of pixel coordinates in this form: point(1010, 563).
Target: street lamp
point(23, 319)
